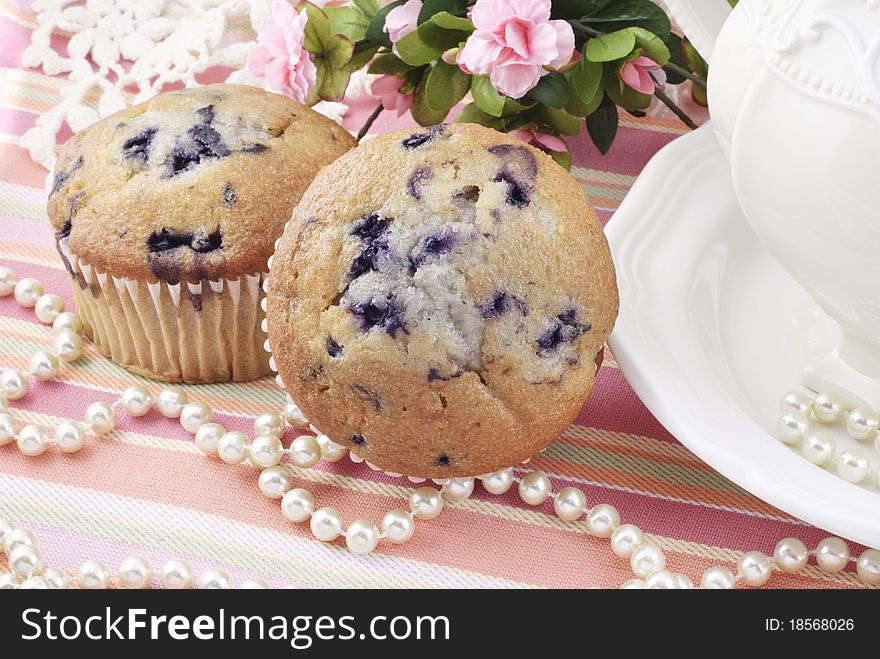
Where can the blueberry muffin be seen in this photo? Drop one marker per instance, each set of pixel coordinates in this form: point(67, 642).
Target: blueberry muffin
point(165, 215)
point(439, 300)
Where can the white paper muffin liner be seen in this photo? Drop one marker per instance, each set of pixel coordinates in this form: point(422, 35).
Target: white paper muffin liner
point(187, 332)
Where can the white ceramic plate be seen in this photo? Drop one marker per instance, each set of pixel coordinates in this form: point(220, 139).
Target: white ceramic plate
point(706, 335)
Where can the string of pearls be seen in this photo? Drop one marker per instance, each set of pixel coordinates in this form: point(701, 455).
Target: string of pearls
point(278, 464)
point(862, 423)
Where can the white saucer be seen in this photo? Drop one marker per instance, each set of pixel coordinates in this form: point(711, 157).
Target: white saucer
point(707, 335)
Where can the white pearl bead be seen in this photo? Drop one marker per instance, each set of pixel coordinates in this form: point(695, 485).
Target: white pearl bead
point(171, 401)
point(48, 307)
point(718, 578)
point(266, 451)
point(797, 402)
point(499, 482)
point(208, 437)
point(684, 582)
point(135, 573)
point(425, 503)
point(326, 524)
point(862, 423)
point(57, 579)
point(305, 452)
point(852, 465)
point(68, 346)
point(4, 404)
point(269, 423)
point(646, 560)
point(602, 520)
point(7, 281)
point(195, 415)
point(294, 416)
point(35, 583)
point(8, 581)
point(67, 321)
point(570, 503)
point(176, 575)
point(233, 447)
point(832, 554)
point(32, 440)
point(398, 526)
point(43, 365)
point(254, 584)
point(868, 567)
point(827, 408)
point(755, 568)
point(215, 580)
point(16, 538)
point(818, 448)
point(791, 555)
point(101, 417)
point(136, 400)
point(662, 580)
point(25, 560)
point(93, 575)
point(458, 489)
point(633, 584)
point(792, 428)
point(297, 505)
point(28, 291)
point(275, 481)
point(13, 384)
point(535, 488)
point(330, 450)
point(625, 539)
point(362, 536)
point(7, 429)
point(69, 437)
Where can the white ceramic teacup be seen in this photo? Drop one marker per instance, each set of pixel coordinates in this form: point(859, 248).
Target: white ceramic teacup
point(794, 94)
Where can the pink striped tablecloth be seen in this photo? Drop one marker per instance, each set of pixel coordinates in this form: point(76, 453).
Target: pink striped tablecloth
point(146, 490)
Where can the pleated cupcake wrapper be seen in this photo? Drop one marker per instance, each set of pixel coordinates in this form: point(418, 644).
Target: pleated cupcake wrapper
point(264, 325)
point(207, 331)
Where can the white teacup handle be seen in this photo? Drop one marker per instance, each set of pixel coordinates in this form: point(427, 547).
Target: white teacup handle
point(701, 21)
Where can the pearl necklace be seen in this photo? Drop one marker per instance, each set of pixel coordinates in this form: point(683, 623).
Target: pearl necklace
point(861, 423)
point(266, 452)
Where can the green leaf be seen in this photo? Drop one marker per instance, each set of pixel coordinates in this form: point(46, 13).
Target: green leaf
point(602, 126)
point(427, 43)
point(446, 85)
point(566, 9)
point(559, 121)
point(389, 64)
point(576, 107)
point(432, 7)
point(694, 61)
point(676, 56)
point(610, 47)
point(623, 95)
point(562, 158)
point(485, 96)
point(376, 29)
point(586, 78)
point(698, 93)
point(512, 107)
point(651, 45)
point(449, 22)
point(347, 21)
point(552, 89)
point(368, 7)
point(360, 57)
point(421, 111)
point(317, 32)
point(628, 13)
point(471, 114)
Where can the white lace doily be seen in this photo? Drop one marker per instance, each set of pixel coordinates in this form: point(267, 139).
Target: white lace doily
point(125, 51)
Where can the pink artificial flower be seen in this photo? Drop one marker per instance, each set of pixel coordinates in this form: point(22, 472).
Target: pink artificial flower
point(514, 40)
point(544, 141)
point(402, 20)
point(387, 88)
point(636, 74)
point(281, 57)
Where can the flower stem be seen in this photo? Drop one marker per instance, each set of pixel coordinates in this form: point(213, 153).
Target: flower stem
point(369, 122)
point(672, 67)
point(668, 102)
